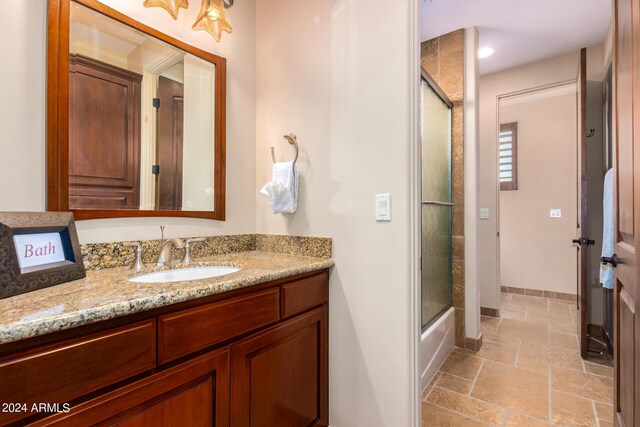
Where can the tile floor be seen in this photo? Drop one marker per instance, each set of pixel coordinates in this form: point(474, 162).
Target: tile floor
point(528, 373)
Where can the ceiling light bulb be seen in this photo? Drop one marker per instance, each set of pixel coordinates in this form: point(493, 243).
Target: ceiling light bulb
point(485, 52)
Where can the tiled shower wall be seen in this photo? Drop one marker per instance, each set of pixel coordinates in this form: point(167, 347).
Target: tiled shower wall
point(443, 59)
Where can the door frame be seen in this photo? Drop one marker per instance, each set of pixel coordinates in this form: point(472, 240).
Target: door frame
point(496, 162)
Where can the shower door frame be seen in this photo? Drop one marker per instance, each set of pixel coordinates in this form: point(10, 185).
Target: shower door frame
point(444, 98)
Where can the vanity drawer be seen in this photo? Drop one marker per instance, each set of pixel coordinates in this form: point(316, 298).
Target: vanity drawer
point(65, 371)
point(304, 294)
point(190, 330)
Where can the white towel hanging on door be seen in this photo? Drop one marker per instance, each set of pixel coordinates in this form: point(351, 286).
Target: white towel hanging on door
point(606, 271)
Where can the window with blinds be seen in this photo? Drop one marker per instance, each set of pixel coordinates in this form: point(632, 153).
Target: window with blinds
point(508, 156)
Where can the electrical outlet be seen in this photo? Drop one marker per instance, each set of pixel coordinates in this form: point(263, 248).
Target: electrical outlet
point(555, 213)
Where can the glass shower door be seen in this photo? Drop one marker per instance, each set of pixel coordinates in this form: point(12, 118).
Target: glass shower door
point(436, 203)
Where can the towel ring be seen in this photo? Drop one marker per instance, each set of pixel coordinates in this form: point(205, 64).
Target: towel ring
point(291, 139)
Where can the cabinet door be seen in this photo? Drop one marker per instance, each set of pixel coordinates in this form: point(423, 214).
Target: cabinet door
point(104, 137)
point(194, 393)
point(279, 377)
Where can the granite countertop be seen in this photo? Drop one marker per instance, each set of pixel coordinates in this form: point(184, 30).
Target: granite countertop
point(106, 294)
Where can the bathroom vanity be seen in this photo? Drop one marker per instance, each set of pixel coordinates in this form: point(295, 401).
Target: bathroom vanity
point(246, 349)
point(138, 129)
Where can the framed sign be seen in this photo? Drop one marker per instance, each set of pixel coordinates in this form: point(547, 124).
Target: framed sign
point(37, 250)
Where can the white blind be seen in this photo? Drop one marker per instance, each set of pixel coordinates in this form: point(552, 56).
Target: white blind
point(506, 156)
point(508, 147)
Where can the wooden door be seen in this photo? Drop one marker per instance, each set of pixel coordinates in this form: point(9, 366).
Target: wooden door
point(582, 240)
point(104, 135)
point(170, 128)
point(279, 377)
point(627, 214)
point(194, 394)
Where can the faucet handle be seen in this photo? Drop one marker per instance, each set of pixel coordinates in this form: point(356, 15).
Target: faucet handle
point(138, 265)
point(187, 249)
point(196, 239)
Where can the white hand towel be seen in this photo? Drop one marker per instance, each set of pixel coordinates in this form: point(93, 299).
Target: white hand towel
point(606, 271)
point(283, 188)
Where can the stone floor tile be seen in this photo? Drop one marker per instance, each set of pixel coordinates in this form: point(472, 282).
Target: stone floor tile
point(501, 340)
point(516, 419)
point(529, 301)
point(570, 411)
point(594, 368)
point(489, 324)
point(434, 416)
point(604, 412)
point(524, 331)
point(430, 386)
point(508, 311)
point(498, 352)
point(535, 314)
point(465, 405)
point(517, 389)
point(568, 341)
point(453, 383)
point(589, 386)
point(461, 365)
point(539, 357)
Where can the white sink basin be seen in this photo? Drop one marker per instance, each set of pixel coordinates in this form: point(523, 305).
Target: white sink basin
point(185, 274)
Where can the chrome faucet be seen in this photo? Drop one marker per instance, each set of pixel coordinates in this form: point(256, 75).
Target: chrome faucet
point(165, 257)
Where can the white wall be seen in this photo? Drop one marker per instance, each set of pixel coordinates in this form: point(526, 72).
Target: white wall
point(536, 250)
point(22, 146)
point(342, 75)
point(22, 110)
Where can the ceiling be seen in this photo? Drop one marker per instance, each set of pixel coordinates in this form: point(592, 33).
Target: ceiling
point(520, 31)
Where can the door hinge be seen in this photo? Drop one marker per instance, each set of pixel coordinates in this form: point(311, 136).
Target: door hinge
point(156, 102)
point(155, 169)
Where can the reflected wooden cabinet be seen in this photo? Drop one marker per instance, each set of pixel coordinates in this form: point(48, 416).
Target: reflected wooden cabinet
point(104, 135)
point(249, 358)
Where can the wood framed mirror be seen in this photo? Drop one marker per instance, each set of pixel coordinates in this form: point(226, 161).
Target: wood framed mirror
point(135, 118)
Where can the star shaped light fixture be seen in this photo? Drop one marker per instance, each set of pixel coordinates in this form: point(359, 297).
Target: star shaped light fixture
point(171, 6)
point(213, 19)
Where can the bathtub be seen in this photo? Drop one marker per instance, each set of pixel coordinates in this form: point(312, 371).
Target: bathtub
point(435, 345)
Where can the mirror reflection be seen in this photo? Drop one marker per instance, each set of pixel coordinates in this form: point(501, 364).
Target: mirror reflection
point(141, 120)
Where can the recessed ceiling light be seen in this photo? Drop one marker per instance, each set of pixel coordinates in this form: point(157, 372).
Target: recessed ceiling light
point(485, 52)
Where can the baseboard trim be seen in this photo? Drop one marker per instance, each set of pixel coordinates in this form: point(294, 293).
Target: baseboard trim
point(538, 293)
point(473, 344)
point(491, 312)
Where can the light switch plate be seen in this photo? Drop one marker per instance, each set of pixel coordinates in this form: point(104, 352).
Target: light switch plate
point(484, 213)
point(555, 213)
point(383, 207)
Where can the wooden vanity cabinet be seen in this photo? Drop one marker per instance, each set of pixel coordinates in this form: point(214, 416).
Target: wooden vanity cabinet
point(278, 377)
point(194, 393)
point(256, 358)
